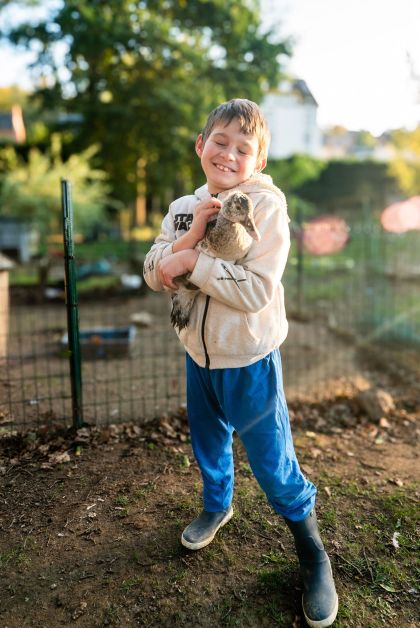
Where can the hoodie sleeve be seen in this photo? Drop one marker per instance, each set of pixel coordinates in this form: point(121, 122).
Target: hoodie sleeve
point(160, 249)
point(249, 284)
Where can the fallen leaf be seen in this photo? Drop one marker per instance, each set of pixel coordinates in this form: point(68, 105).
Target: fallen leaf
point(372, 431)
point(395, 540)
point(59, 457)
point(327, 490)
point(396, 481)
point(46, 466)
point(315, 453)
point(388, 588)
point(383, 422)
point(307, 469)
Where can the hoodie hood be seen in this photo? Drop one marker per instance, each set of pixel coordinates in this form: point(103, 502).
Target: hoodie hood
point(257, 183)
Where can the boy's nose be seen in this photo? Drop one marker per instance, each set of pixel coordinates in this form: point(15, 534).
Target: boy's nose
point(228, 154)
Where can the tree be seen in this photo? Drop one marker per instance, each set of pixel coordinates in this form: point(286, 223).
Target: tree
point(31, 190)
point(405, 167)
point(290, 175)
point(349, 185)
point(10, 96)
point(143, 76)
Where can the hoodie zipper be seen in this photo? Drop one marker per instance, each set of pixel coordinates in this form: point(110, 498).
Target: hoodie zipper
point(203, 323)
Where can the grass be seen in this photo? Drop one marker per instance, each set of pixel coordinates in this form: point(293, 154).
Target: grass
point(97, 283)
point(376, 578)
point(14, 557)
point(111, 615)
point(122, 500)
point(143, 491)
point(129, 583)
point(115, 249)
point(121, 506)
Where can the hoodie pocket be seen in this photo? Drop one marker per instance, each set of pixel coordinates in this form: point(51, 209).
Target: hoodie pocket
point(256, 339)
point(228, 332)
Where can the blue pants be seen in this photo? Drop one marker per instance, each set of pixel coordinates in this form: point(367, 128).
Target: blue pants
point(251, 401)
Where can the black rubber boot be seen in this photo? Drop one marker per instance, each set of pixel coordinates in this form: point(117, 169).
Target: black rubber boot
point(319, 599)
point(202, 530)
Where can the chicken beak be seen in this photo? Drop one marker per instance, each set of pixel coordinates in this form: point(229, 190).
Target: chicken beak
point(252, 229)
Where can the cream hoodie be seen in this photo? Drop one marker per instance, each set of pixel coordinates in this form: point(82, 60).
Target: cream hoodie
point(238, 316)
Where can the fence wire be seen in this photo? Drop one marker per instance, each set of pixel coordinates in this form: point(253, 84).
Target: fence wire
point(365, 297)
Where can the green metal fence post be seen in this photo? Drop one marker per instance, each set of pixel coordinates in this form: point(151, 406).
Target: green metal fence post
point(72, 306)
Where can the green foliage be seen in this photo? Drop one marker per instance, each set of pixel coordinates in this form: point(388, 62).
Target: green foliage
point(145, 75)
point(365, 138)
point(10, 96)
point(290, 175)
point(349, 185)
point(37, 121)
point(31, 190)
point(406, 166)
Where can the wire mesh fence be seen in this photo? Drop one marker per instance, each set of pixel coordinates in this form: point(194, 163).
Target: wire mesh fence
point(339, 306)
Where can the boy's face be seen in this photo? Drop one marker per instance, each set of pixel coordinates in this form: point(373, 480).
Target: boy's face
point(228, 157)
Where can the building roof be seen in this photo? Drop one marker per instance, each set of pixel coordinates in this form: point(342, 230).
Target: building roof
point(302, 88)
point(296, 87)
point(5, 263)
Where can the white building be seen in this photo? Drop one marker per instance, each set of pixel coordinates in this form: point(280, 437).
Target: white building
point(291, 113)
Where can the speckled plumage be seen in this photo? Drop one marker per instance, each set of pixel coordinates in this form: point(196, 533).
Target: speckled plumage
point(228, 237)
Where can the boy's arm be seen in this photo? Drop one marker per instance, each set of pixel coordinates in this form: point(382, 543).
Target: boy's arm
point(203, 212)
point(177, 253)
point(160, 249)
point(250, 284)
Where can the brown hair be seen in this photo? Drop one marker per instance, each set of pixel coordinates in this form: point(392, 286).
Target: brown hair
point(250, 118)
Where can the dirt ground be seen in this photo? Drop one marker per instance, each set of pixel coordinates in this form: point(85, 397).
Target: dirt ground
point(90, 524)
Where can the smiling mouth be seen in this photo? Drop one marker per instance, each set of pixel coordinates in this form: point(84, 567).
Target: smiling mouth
point(223, 168)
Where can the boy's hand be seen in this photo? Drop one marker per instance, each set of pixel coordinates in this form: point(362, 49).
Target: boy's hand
point(176, 265)
point(204, 211)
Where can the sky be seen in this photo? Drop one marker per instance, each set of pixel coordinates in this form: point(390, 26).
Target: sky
point(351, 53)
point(353, 56)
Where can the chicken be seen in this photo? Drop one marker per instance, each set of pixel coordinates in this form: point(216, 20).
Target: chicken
point(228, 237)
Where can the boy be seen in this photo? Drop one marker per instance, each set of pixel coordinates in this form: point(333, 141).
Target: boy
point(238, 322)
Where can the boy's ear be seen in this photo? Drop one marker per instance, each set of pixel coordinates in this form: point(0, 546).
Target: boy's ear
point(199, 145)
point(261, 164)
